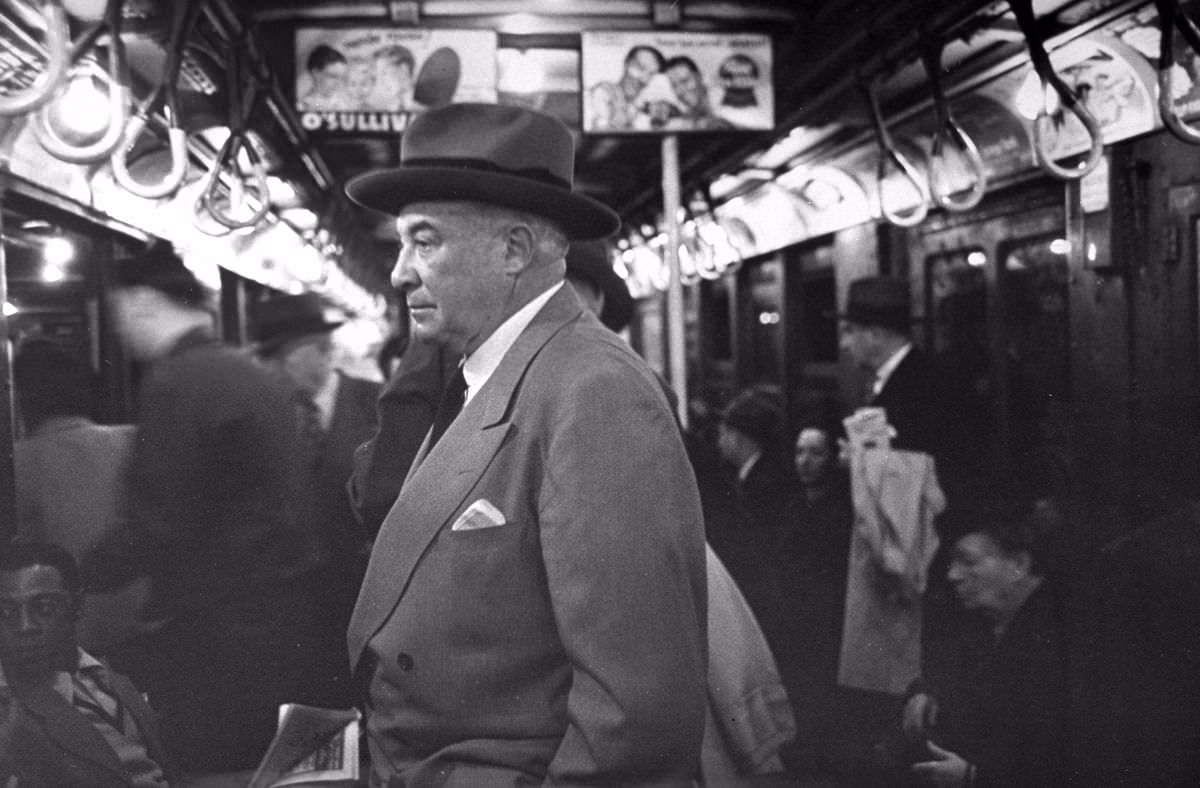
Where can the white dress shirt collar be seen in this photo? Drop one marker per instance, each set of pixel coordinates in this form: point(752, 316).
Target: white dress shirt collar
point(888, 367)
point(748, 466)
point(326, 397)
point(480, 365)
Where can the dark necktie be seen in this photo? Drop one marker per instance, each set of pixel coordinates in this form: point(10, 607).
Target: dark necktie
point(308, 416)
point(451, 403)
point(96, 701)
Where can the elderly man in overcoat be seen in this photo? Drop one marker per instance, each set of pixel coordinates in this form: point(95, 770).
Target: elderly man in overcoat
point(534, 607)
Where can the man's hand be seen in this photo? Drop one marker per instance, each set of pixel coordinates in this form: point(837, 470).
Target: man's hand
point(946, 770)
point(920, 717)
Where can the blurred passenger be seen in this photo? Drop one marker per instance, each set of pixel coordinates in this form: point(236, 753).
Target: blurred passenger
point(405, 411)
point(212, 489)
point(745, 517)
point(66, 718)
point(69, 471)
point(328, 70)
point(993, 711)
point(813, 554)
point(590, 272)
point(335, 412)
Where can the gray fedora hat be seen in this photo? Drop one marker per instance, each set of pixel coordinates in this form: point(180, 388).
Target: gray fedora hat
point(505, 155)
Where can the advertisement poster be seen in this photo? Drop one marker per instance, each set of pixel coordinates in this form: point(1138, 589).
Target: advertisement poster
point(370, 81)
point(1117, 86)
point(667, 82)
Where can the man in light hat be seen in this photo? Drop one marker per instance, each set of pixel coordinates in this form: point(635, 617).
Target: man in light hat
point(534, 607)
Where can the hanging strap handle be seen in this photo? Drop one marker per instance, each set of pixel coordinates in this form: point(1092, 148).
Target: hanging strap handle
point(118, 94)
point(1170, 17)
point(167, 94)
point(241, 190)
point(950, 134)
point(888, 152)
point(58, 60)
point(1023, 10)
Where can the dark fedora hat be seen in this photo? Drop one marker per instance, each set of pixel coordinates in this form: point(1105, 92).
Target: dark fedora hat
point(880, 301)
point(159, 267)
point(589, 260)
point(753, 414)
point(505, 155)
point(284, 318)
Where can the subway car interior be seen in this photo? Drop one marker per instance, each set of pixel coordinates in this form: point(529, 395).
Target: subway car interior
point(1027, 168)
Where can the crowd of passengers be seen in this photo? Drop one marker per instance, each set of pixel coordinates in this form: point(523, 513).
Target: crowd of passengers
point(880, 610)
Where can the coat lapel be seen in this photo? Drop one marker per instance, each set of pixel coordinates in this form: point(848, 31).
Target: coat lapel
point(440, 479)
point(71, 731)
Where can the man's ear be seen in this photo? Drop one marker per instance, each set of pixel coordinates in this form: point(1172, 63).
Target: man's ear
point(520, 247)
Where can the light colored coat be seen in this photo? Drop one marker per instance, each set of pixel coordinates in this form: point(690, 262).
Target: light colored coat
point(566, 646)
point(896, 498)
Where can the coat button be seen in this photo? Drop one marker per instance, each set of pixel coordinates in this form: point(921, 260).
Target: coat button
point(404, 662)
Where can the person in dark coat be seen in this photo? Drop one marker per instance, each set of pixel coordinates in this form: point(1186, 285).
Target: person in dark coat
point(66, 718)
point(211, 494)
point(813, 552)
point(876, 335)
point(335, 412)
point(993, 711)
point(744, 506)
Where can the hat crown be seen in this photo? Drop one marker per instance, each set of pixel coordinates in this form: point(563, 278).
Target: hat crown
point(289, 316)
point(518, 141)
point(880, 300)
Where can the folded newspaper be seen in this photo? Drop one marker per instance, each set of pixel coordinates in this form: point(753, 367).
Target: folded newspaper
point(311, 746)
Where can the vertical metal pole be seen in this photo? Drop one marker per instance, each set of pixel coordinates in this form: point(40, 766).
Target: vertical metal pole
point(675, 338)
point(8, 486)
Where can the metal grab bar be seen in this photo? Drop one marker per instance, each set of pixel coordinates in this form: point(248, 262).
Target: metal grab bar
point(176, 136)
point(58, 45)
point(118, 95)
point(1023, 10)
point(1170, 17)
point(887, 150)
point(949, 132)
point(238, 190)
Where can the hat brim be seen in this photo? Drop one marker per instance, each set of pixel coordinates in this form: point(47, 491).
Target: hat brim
point(389, 191)
point(268, 346)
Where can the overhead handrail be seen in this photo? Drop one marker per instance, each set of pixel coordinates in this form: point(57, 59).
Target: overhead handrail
point(118, 93)
point(888, 151)
point(1023, 10)
point(58, 47)
point(241, 106)
point(1170, 17)
point(167, 93)
point(950, 133)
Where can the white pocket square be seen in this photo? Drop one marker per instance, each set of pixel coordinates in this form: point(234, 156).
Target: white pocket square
point(481, 514)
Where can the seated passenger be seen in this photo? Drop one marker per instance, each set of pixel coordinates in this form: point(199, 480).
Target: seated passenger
point(993, 712)
point(66, 719)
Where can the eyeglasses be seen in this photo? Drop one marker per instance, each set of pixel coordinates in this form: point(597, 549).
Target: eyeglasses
point(42, 607)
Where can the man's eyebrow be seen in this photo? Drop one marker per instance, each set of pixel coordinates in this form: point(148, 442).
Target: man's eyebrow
point(417, 226)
